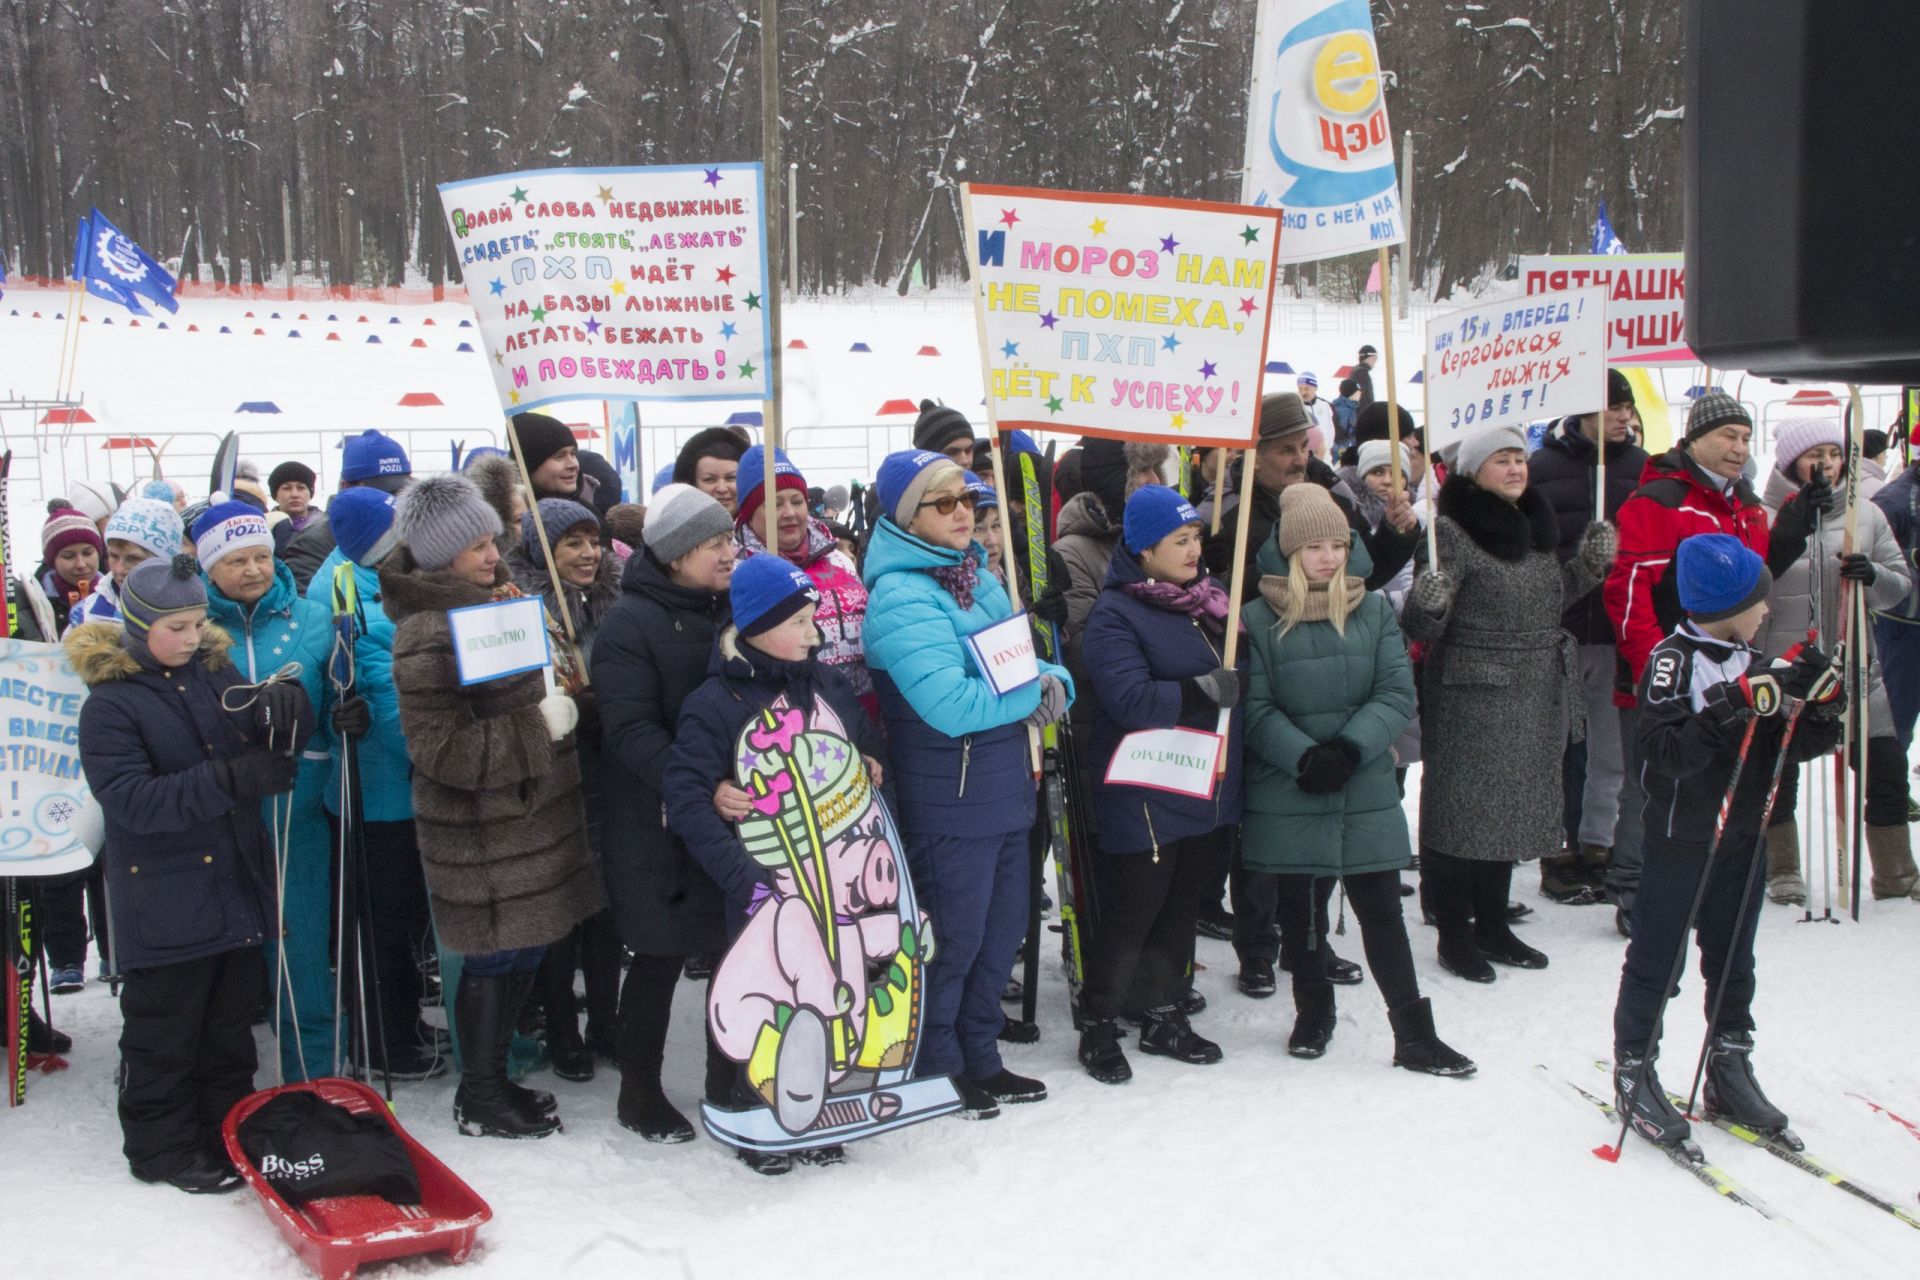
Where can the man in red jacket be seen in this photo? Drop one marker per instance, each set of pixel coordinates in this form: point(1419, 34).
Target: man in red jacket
point(1696, 487)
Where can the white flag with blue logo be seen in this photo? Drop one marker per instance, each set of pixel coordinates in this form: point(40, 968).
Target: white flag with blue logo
point(1318, 142)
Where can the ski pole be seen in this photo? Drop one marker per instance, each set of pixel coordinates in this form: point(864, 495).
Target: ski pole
point(1858, 693)
point(1794, 707)
point(114, 978)
point(1612, 1154)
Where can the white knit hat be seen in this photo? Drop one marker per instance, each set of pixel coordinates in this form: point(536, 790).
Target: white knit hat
point(1377, 453)
point(1797, 435)
point(1481, 445)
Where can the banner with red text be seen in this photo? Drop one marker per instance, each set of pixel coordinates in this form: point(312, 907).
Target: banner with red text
point(1646, 299)
point(1514, 362)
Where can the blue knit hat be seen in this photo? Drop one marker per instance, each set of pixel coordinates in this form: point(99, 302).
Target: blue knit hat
point(983, 493)
point(559, 515)
point(766, 591)
point(158, 587)
point(227, 526)
point(904, 477)
point(149, 523)
point(1719, 576)
point(1153, 512)
point(362, 522)
point(371, 457)
point(753, 480)
point(661, 479)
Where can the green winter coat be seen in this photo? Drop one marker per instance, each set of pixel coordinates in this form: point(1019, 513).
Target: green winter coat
point(1310, 686)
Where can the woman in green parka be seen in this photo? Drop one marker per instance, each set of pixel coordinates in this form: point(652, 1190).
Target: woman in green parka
point(1330, 692)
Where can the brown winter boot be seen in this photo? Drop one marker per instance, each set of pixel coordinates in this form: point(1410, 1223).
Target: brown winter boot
point(1894, 875)
point(1595, 859)
point(1563, 880)
point(1784, 884)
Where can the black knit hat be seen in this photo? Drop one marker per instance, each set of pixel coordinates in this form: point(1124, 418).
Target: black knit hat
point(714, 442)
point(1712, 410)
point(938, 426)
point(541, 437)
point(1371, 424)
point(291, 473)
point(1619, 390)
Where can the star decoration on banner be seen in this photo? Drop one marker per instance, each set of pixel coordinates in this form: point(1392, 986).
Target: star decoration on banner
point(1169, 343)
point(713, 178)
point(1207, 369)
point(746, 368)
point(1250, 235)
point(606, 193)
point(819, 776)
point(1179, 422)
point(728, 329)
point(1098, 226)
point(513, 397)
point(499, 358)
point(1008, 217)
point(593, 325)
point(498, 287)
point(1010, 349)
point(746, 759)
point(1246, 306)
point(753, 301)
point(1054, 405)
point(519, 195)
point(1168, 244)
point(619, 287)
point(1048, 320)
point(724, 275)
point(539, 315)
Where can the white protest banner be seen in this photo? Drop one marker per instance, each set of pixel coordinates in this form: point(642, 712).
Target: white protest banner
point(1318, 142)
point(1185, 762)
point(1646, 300)
point(504, 638)
point(44, 789)
point(1509, 363)
point(617, 284)
point(1004, 654)
point(1134, 317)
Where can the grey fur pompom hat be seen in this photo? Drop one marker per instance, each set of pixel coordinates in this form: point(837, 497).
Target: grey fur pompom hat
point(440, 517)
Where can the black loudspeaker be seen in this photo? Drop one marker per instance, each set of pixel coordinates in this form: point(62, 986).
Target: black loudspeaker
point(1803, 187)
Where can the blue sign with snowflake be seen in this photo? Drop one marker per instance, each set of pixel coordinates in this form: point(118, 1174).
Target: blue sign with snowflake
point(44, 798)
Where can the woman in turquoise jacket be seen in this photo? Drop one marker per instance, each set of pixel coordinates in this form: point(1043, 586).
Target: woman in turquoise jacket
point(253, 598)
point(961, 764)
point(1330, 692)
point(362, 523)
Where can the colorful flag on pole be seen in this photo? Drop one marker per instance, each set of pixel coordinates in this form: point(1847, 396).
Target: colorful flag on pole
point(1605, 241)
point(117, 269)
point(1318, 142)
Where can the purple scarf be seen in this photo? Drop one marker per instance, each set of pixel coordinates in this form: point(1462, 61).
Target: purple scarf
point(1203, 600)
point(960, 579)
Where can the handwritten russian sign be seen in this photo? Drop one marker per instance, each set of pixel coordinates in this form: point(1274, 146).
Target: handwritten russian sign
point(1126, 316)
point(45, 789)
point(617, 284)
point(1509, 363)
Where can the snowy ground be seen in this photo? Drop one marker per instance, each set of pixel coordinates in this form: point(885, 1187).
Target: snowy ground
point(1341, 1167)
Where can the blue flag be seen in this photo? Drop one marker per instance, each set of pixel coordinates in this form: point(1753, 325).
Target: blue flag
point(127, 271)
point(1604, 239)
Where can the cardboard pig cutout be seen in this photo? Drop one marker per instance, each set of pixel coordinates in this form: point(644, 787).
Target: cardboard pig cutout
point(820, 997)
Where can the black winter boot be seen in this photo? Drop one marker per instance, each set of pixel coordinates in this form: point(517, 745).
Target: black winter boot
point(1100, 1052)
point(770, 1163)
point(1491, 932)
point(538, 1100)
point(1564, 879)
point(1417, 1047)
point(567, 1051)
point(1004, 1086)
point(1444, 881)
point(1731, 1090)
point(42, 1038)
point(643, 1105)
point(1313, 1022)
point(975, 1102)
point(1166, 1033)
point(1637, 1093)
point(483, 1106)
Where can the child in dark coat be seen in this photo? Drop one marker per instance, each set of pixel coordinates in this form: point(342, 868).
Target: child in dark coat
point(1699, 700)
point(180, 751)
point(771, 650)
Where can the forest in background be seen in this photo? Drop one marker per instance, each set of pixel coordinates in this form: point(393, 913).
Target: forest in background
point(183, 120)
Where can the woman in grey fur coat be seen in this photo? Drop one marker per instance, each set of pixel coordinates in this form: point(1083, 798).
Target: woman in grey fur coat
point(1498, 689)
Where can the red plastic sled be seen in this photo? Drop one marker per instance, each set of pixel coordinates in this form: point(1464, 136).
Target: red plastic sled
point(336, 1234)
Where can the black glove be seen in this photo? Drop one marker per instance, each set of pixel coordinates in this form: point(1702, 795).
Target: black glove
point(1328, 767)
point(1730, 704)
point(1855, 567)
point(1220, 686)
point(1051, 606)
point(254, 775)
point(352, 717)
point(277, 706)
point(1817, 495)
point(1810, 677)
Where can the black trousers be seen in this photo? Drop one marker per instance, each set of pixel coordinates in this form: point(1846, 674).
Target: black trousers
point(1256, 912)
point(1886, 785)
point(593, 946)
point(402, 923)
point(646, 1009)
point(67, 903)
point(1145, 942)
point(1375, 899)
point(1669, 875)
point(186, 1055)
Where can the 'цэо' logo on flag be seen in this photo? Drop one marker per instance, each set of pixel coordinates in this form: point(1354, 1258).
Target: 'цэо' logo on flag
point(120, 256)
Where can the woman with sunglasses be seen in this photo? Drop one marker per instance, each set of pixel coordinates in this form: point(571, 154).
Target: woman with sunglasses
point(960, 762)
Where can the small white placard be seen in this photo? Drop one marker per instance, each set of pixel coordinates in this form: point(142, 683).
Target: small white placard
point(1004, 654)
point(1182, 761)
point(504, 638)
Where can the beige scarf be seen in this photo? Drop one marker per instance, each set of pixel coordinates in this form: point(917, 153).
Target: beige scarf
point(1273, 589)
